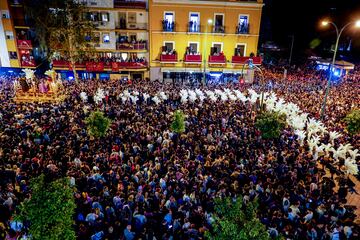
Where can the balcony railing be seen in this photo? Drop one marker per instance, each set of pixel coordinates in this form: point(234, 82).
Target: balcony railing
point(132, 26)
point(99, 66)
point(131, 46)
point(242, 29)
point(25, 44)
point(66, 64)
point(28, 63)
point(16, 2)
point(192, 58)
point(129, 4)
point(168, 26)
point(168, 58)
point(218, 29)
point(20, 22)
point(194, 28)
point(116, 66)
point(243, 60)
point(221, 59)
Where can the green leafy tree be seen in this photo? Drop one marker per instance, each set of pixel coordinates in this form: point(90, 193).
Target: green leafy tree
point(178, 124)
point(63, 29)
point(353, 122)
point(270, 124)
point(97, 124)
point(237, 221)
point(49, 210)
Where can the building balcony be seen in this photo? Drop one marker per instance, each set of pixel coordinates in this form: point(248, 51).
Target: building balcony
point(24, 44)
point(16, 2)
point(117, 66)
point(132, 4)
point(66, 64)
point(193, 28)
point(218, 29)
point(221, 59)
point(28, 63)
point(94, 66)
point(99, 66)
point(131, 46)
point(168, 27)
point(168, 58)
point(132, 26)
point(244, 29)
point(244, 60)
point(192, 59)
point(20, 22)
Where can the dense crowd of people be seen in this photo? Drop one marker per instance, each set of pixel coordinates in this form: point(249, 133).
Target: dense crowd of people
point(306, 88)
point(142, 180)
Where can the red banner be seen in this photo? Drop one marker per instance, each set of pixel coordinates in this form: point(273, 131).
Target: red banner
point(115, 66)
point(94, 66)
point(24, 43)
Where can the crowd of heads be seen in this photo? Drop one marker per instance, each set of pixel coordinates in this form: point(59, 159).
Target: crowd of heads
point(143, 180)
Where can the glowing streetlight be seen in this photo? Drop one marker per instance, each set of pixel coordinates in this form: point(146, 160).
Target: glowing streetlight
point(338, 35)
point(324, 23)
point(357, 24)
point(210, 21)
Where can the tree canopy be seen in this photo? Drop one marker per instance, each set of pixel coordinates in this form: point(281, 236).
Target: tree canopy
point(62, 28)
point(270, 124)
point(50, 209)
point(353, 122)
point(237, 221)
point(178, 124)
point(97, 124)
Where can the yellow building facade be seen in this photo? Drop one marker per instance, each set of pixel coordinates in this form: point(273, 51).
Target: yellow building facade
point(205, 28)
point(9, 55)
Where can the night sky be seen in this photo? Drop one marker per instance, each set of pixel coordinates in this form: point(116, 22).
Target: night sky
point(302, 18)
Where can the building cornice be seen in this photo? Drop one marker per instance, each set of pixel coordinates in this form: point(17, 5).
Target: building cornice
point(219, 3)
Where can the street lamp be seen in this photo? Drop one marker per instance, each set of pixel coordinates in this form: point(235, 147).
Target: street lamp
point(262, 81)
point(209, 22)
point(338, 35)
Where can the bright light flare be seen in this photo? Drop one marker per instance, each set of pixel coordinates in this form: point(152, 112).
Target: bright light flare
point(324, 23)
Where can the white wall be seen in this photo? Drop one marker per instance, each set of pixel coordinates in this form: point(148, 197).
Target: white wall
point(141, 17)
point(99, 3)
point(4, 55)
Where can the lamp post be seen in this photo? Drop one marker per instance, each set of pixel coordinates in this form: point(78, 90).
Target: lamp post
point(262, 81)
point(209, 22)
point(291, 49)
point(338, 35)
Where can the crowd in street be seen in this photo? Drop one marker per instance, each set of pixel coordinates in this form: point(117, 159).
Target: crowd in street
point(306, 88)
point(142, 180)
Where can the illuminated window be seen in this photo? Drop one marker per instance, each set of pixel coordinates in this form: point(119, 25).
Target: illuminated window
point(12, 55)
point(105, 17)
point(106, 38)
point(9, 35)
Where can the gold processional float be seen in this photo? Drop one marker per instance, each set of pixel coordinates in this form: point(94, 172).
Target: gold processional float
point(32, 89)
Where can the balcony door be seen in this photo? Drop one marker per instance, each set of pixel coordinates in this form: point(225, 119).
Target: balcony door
point(219, 19)
point(169, 46)
point(194, 22)
point(216, 48)
point(169, 17)
point(240, 50)
point(243, 25)
point(193, 47)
